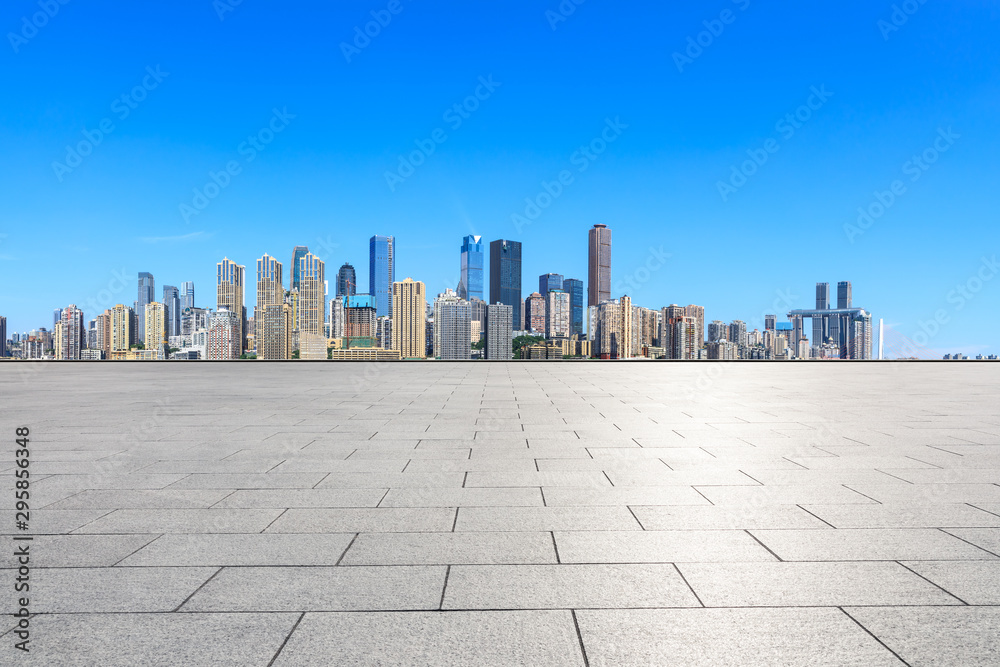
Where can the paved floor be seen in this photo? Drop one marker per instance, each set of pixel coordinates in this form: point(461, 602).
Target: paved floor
point(492, 514)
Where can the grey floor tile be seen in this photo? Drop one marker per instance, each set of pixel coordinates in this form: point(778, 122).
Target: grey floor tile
point(77, 550)
point(291, 480)
point(678, 546)
point(868, 544)
point(126, 640)
point(451, 548)
point(710, 637)
point(141, 499)
point(365, 520)
point(50, 522)
point(974, 582)
point(936, 636)
point(724, 518)
point(183, 521)
point(321, 589)
point(367, 480)
point(810, 585)
point(574, 496)
point(928, 494)
point(545, 518)
point(758, 496)
point(904, 516)
point(984, 538)
point(434, 639)
point(501, 479)
point(467, 497)
point(566, 587)
point(114, 589)
point(286, 498)
point(249, 549)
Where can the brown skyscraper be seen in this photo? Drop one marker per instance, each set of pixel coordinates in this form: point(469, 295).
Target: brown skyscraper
point(599, 271)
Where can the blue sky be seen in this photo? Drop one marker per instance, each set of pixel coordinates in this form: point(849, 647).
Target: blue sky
point(889, 91)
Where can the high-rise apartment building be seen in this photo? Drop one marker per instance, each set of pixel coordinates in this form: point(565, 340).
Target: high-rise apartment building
point(499, 325)
point(337, 317)
point(312, 295)
point(172, 310)
point(613, 336)
point(575, 289)
point(274, 331)
point(224, 335)
point(3, 336)
point(557, 314)
point(123, 328)
point(383, 333)
point(409, 305)
point(347, 280)
point(683, 338)
point(738, 332)
point(187, 295)
point(298, 252)
point(821, 325)
point(452, 332)
point(770, 322)
point(505, 278)
point(470, 285)
point(534, 313)
point(155, 323)
point(549, 281)
point(147, 294)
point(698, 313)
point(719, 330)
point(102, 338)
point(230, 289)
point(382, 272)
point(599, 265)
point(844, 294)
point(360, 321)
point(270, 288)
point(73, 332)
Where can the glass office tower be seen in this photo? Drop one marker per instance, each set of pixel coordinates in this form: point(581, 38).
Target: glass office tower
point(505, 277)
point(575, 289)
point(471, 284)
point(382, 272)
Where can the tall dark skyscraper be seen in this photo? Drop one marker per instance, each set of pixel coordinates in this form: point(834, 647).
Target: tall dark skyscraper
point(347, 281)
point(505, 277)
point(382, 272)
point(3, 336)
point(575, 289)
point(172, 310)
point(187, 295)
point(844, 294)
point(599, 265)
point(147, 295)
point(298, 252)
point(821, 325)
point(549, 281)
point(470, 285)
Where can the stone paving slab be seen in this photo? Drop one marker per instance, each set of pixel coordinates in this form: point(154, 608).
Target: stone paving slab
point(510, 513)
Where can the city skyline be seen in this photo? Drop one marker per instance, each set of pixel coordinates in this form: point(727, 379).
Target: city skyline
point(867, 154)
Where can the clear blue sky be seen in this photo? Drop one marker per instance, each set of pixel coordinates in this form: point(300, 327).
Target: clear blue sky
point(322, 181)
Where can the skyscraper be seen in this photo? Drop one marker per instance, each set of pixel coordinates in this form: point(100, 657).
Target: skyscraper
point(155, 323)
point(56, 317)
point(549, 281)
point(821, 325)
point(312, 309)
point(470, 285)
point(274, 331)
point(452, 332)
point(770, 321)
point(505, 277)
point(698, 313)
point(613, 338)
point(230, 287)
point(298, 252)
point(499, 325)
point(3, 336)
point(123, 326)
point(534, 313)
point(270, 289)
point(224, 335)
point(557, 314)
point(382, 272)
point(147, 294)
point(843, 294)
point(599, 265)
point(575, 289)
point(172, 310)
point(187, 295)
point(409, 306)
point(347, 281)
point(74, 333)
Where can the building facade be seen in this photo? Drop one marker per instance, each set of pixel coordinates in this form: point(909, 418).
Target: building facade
point(499, 323)
point(230, 290)
point(312, 295)
point(505, 278)
point(599, 265)
point(549, 281)
point(575, 289)
point(224, 336)
point(155, 337)
point(172, 310)
point(347, 280)
point(557, 314)
point(470, 284)
point(274, 332)
point(534, 313)
point(409, 306)
point(452, 331)
point(298, 252)
point(147, 294)
point(382, 272)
